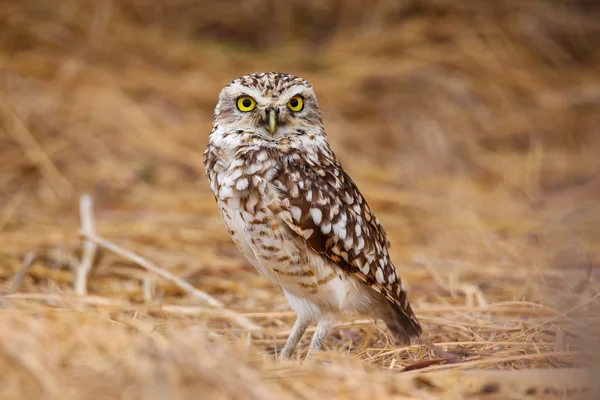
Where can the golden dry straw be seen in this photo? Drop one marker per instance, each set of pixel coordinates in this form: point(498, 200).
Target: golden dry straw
point(470, 127)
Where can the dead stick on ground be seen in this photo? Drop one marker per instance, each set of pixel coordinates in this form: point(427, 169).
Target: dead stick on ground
point(149, 288)
point(18, 278)
point(142, 262)
point(89, 248)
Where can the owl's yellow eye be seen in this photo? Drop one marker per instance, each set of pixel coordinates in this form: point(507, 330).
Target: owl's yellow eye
point(246, 103)
point(296, 103)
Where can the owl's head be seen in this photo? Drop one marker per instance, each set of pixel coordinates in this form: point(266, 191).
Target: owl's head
point(268, 107)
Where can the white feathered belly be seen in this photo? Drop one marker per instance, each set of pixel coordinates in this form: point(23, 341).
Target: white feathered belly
point(291, 264)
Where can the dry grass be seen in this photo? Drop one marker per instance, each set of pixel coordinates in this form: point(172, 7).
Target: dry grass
point(471, 129)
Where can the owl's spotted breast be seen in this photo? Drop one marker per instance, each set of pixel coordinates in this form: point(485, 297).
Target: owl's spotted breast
point(256, 213)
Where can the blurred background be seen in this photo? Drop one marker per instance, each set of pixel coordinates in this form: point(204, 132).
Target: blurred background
point(471, 127)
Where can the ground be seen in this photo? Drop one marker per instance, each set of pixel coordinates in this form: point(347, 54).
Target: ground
point(472, 131)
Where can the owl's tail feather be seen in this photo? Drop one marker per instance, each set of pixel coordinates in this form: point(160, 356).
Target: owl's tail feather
point(401, 322)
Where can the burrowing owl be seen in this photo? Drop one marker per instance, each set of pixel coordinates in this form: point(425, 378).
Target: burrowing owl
point(295, 214)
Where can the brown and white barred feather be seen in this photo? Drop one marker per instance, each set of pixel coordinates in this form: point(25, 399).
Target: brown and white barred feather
point(322, 206)
point(329, 212)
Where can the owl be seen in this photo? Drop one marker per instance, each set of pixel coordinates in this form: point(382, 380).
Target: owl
point(295, 214)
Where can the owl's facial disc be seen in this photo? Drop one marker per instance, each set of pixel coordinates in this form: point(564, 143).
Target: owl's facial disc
point(268, 110)
point(270, 118)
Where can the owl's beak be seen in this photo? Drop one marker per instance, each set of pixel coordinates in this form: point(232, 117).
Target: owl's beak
point(272, 121)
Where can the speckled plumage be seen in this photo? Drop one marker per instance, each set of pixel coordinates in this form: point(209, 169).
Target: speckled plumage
point(296, 215)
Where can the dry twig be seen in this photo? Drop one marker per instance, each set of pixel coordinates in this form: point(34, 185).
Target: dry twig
point(86, 213)
point(142, 262)
point(18, 278)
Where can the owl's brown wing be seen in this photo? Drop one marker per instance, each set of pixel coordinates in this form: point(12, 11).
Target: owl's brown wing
point(326, 209)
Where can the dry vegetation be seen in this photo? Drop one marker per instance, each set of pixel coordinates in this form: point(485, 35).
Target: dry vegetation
point(472, 129)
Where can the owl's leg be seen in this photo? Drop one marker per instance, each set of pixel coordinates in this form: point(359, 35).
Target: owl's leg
point(306, 314)
point(302, 322)
point(323, 327)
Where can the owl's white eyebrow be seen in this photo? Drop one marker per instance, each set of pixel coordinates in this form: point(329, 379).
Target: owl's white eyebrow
point(294, 92)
